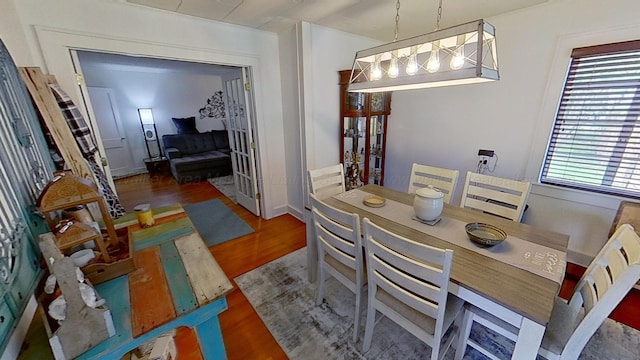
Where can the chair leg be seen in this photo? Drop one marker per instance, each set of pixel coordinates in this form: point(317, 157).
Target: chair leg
point(320, 284)
point(463, 334)
point(371, 319)
point(356, 320)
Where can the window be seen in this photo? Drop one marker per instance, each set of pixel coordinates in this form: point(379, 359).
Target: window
point(595, 141)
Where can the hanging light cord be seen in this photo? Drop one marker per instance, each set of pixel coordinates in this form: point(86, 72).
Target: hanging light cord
point(439, 15)
point(397, 19)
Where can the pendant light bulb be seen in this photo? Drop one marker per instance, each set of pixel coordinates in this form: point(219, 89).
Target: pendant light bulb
point(393, 65)
point(457, 60)
point(412, 64)
point(376, 71)
point(433, 64)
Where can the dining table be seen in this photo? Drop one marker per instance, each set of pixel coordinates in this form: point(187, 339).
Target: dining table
point(517, 280)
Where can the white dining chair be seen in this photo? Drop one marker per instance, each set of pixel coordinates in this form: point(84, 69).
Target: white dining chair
point(327, 181)
point(442, 179)
point(494, 195)
point(607, 280)
point(339, 252)
point(408, 283)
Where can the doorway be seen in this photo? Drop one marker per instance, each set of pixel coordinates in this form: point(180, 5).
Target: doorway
point(172, 89)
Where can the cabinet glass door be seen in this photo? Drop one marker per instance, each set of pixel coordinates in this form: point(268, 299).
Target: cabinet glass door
point(354, 101)
point(354, 143)
point(376, 150)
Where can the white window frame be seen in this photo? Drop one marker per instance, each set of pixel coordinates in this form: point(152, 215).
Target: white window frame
point(561, 56)
point(577, 116)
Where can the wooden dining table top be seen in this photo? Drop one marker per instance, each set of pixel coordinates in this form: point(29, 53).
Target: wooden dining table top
point(520, 290)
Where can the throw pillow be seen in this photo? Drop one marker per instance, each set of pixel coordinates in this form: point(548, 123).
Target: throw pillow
point(186, 125)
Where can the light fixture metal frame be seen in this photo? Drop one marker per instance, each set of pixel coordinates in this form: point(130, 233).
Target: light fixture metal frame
point(482, 66)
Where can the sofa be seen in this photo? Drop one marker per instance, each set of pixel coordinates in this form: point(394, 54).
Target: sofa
point(198, 156)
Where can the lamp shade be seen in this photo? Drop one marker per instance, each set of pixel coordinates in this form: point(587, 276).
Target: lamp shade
point(146, 116)
point(462, 54)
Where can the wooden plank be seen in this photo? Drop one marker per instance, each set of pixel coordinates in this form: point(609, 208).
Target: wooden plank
point(161, 238)
point(159, 229)
point(158, 213)
point(38, 85)
point(181, 291)
point(192, 319)
point(151, 303)
point(207, 278)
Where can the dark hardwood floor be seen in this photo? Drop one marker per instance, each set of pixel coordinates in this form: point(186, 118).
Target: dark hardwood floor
point(245, 335)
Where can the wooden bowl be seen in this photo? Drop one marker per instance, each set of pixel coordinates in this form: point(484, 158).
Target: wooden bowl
point(485, 234)
point(374, 201)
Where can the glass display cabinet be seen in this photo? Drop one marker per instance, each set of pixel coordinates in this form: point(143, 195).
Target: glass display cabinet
point(363, 132)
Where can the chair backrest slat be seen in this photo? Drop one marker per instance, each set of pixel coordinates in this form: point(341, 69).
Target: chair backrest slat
point(401, 292)
point(338, 232)
point(498, 196)
point(327, 181)
point(419, 285)
point(341, 249)
point(409, 265)
point(609, 277)
point(414, 273)
point(442, 179)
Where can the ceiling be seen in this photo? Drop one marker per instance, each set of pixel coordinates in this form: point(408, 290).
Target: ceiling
point(371, 18)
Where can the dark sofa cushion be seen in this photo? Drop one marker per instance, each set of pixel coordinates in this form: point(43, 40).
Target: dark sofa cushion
point(202, 160)
point(221, 139)
point(186, 125)
point(190, 143)
point(196, 157)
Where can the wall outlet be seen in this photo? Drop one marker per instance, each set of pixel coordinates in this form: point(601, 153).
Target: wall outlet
point(488, 153)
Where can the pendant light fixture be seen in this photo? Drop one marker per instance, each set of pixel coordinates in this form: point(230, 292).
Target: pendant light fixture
point(462, 54)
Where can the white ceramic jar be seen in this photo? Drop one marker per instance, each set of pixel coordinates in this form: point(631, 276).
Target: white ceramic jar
point(428, 203)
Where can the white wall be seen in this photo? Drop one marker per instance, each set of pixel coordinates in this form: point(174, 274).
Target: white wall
point(291, 104)
point(331, 51)
point(312, 99)
point(446, 126)
point(51, 28)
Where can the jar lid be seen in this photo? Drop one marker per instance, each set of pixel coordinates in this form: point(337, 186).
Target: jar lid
point(430, 192)
point(142, 207)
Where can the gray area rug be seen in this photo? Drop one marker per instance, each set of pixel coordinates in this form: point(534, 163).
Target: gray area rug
point(285, 301)
point(225, 185)
point(216, 222)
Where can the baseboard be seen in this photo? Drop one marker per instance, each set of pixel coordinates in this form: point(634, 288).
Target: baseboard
point(296, 213)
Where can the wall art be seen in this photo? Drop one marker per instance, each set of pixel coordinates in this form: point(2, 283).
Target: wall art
point(214, 107)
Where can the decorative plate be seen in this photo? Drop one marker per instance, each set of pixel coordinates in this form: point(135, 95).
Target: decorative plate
point(485, 234)
point(374, 201)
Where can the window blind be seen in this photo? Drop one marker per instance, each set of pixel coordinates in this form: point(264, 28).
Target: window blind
point(595, 141)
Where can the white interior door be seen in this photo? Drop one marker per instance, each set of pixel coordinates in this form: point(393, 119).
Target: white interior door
point(85, 104)
point(238, 104)
point(114, 138)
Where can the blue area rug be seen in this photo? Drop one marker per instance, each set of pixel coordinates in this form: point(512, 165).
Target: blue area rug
point(285, 301)
point(215, 222)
